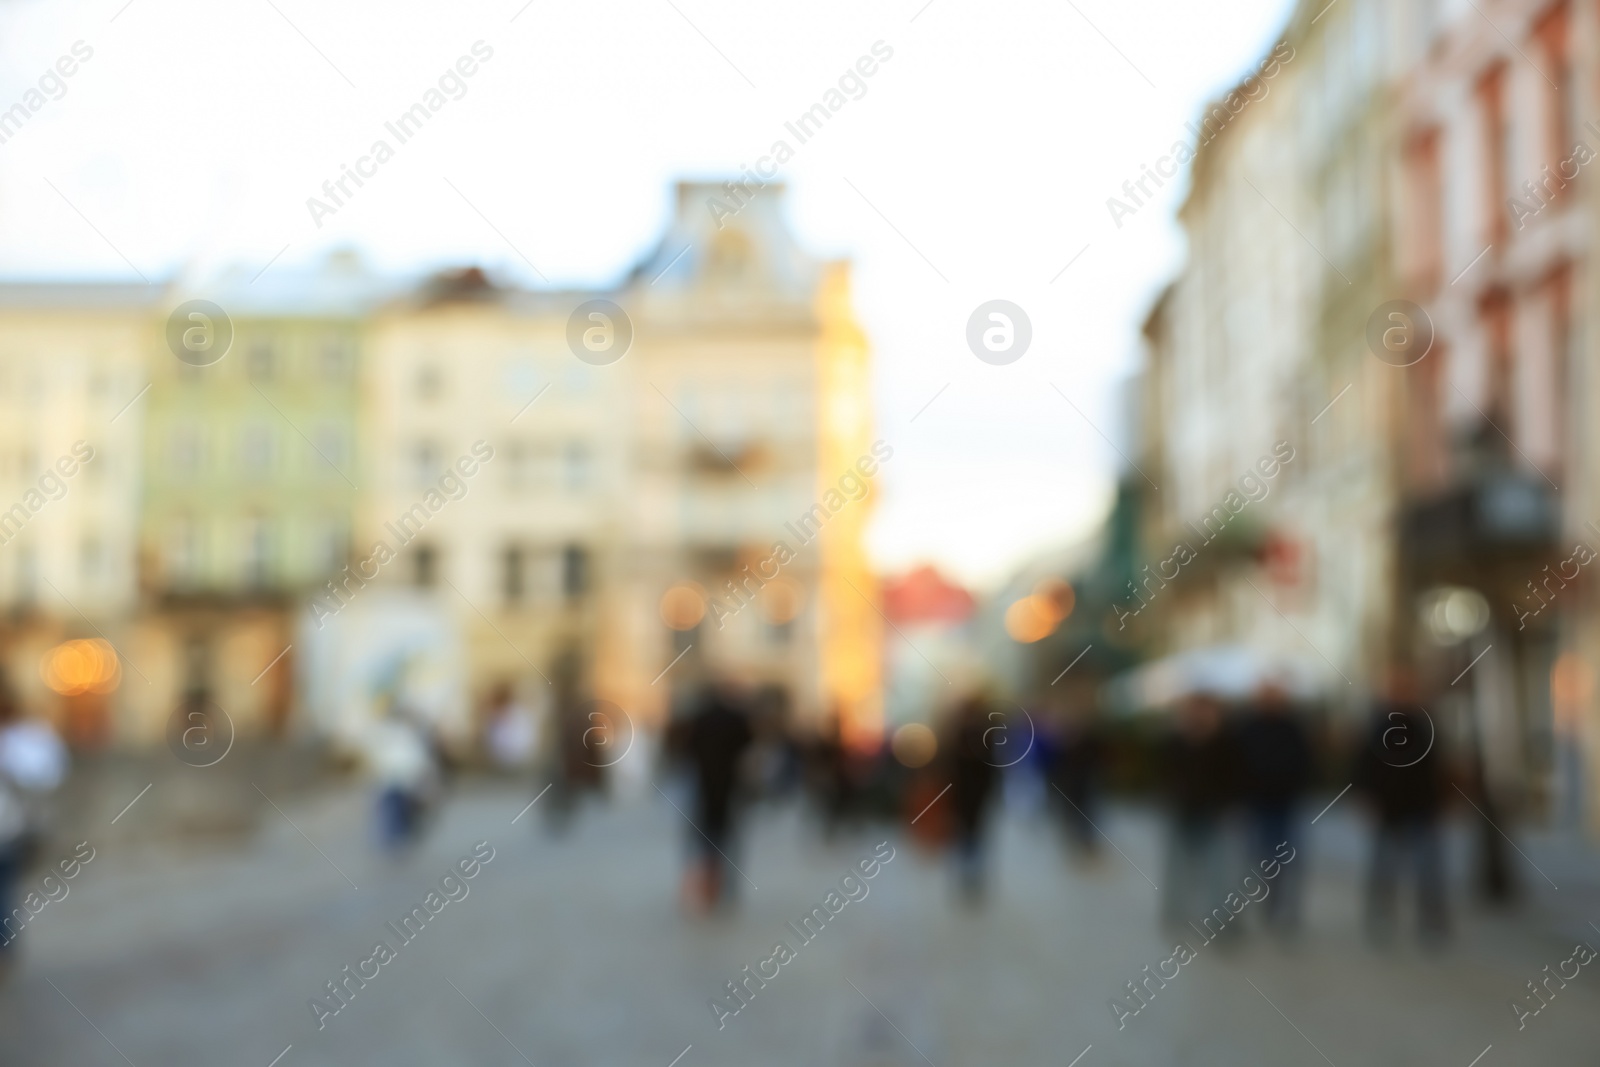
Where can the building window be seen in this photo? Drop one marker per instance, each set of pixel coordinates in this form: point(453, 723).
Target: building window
point(1495, 313)
point(257, 553)
point(336, 360)
point(575, 467)
point(261, 360)
point(513, 574)
point(574, 571)
point(197, 666)
point(1497, 150)
point(183, 552)
point(1426, 210)
point(425, 462)
point(1552, 410)
point(518, 465)
point(1428, 452)
point(188, 451)
point(91, 560)
point(1559, 82)
point(729, 257)
point(425, 567)
point(329, 451)
point(27, 576)
point(333, 546)
point(255, 451)
point(429, 382)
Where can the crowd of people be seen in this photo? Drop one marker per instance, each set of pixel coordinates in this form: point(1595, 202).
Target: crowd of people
point(1235, 777)
point(1258, 762)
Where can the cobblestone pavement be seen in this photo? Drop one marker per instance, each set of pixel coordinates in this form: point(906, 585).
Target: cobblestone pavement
point(572, 950)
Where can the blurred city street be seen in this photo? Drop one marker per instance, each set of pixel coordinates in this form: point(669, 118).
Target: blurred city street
point(769, 591)
point(574, 951)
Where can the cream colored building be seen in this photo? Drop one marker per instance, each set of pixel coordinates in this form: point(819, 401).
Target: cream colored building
point(584, 492)
point(1262, 340)
point(1411, 152)
point(422, 487)
point(73, 368)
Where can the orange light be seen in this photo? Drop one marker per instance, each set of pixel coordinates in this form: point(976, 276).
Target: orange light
point(914, 745)
point(781, 600)
point(683, 606)
point(75, 667)
point(1033, 618)
point(1571, 689)
point(1056, 596)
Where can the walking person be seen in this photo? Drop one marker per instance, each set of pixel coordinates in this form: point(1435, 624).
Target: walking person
point(1400, 773)
point(831, 776)
point(512, 732)
point(1199, 769)
point(975, 750)
point(1073, 756)
point(1276, 766)
point(33, 764)
point(571, 765)
point(403, 762)
point(715, 741)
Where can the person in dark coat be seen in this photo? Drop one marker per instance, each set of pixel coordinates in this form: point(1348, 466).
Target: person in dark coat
point(1073, 760)
point(1276, 765)
point(1200, 768)
point(831, 776)
point(1400, 773)
point(974, 763)
point(714, 741)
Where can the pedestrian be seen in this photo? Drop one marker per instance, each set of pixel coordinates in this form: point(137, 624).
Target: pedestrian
point(1199, 769)
point(571, 765)
point(1399, 771)
point(832, 776)
point(1276, 766)
point(511, 735)
point(1073, 757)
point(715, 740)
point(977, 735)
point(403, 762)
point(33, 764)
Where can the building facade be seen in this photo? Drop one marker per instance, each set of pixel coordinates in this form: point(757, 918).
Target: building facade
point(73, 362)
point(1268, 425)
point(434, 487)
point(1425, 162)
point(1498, 464)
point(248, 482)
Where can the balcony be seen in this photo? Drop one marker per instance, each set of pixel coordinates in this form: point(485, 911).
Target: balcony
point(1492, 520)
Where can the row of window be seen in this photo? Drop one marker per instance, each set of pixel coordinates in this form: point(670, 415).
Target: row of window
point(28, 380)
point(92, 560)
point(267, 358)
point(1515, 146)
point(259, 450)
point(531, 574)
point(525, 574)
point(26, 463)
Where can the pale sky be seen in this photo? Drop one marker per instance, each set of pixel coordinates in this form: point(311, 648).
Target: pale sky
point(976, 166)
